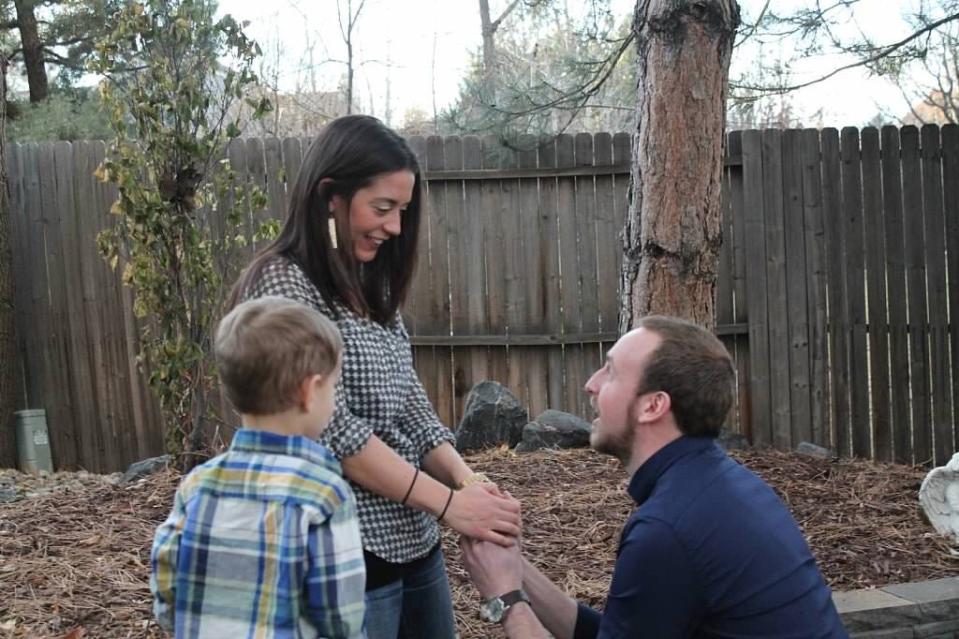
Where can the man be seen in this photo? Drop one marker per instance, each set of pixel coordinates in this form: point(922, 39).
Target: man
point(710, 550)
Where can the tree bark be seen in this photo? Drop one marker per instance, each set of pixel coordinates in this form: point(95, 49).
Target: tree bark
point(489, 44)
point(32, 50)
point(8, 343)
point(674, 224)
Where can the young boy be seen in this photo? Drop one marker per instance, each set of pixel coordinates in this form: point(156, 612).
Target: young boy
point(263, 540)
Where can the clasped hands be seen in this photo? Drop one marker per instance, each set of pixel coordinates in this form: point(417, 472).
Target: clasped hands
point(490, 525)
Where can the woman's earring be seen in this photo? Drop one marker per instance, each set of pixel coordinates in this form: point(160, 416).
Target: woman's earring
point(331, 225)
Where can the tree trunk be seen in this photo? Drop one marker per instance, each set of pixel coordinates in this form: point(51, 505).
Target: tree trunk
point(489, 45)
point(8, 343)
point(674, 224)
point(32, 50)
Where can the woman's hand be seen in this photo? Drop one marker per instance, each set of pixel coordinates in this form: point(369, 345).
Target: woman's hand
point(482, 512)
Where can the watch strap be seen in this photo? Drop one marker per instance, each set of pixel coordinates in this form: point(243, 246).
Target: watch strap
point(510, 599)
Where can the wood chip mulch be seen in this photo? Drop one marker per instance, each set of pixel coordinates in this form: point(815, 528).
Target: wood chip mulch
point(75, 562)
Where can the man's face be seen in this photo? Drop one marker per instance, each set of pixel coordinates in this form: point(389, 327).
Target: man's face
point(612, 391)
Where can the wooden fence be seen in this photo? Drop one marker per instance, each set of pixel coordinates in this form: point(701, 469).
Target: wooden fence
point(833, 298)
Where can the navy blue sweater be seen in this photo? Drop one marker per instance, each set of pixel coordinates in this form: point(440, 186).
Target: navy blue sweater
point(710, 551)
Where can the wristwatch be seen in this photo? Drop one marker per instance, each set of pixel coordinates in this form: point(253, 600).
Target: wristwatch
point(494, 609)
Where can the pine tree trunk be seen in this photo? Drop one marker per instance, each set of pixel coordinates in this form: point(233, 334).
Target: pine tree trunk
point(489, 45)
point(8, 343)
point(32, 50)
point(673, 228)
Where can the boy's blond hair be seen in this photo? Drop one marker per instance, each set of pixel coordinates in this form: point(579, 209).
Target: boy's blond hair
point(267, 346)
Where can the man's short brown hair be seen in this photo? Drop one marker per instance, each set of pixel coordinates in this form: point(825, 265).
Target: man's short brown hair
point(695, 369)
point(267, 346)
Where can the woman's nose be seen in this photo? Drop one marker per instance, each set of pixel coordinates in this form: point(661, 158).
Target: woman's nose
point(392, 224)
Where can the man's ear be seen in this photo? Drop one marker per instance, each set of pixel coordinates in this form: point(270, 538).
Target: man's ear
point(653, 406)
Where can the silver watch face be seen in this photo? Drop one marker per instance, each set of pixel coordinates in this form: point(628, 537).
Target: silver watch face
point(491, 610)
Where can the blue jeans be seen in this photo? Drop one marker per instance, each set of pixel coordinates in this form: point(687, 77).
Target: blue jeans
point(419, 606)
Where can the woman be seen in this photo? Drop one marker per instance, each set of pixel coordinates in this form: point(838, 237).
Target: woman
point(348, 249)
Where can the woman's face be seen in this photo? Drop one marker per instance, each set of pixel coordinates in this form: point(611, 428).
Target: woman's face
point(376, 212)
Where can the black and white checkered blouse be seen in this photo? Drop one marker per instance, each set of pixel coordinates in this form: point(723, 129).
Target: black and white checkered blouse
point(378, 394)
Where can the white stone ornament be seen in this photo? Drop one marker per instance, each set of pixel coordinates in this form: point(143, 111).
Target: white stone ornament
point(939, 498)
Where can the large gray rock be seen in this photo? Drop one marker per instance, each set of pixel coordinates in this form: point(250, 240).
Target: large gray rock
point(812, 450)
point(492, 416)
point(145, 467)
point(555, 429)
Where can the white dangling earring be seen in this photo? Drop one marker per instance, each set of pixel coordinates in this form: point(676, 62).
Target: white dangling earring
point(331, 225)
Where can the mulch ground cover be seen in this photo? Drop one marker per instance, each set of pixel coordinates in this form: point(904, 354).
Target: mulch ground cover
point(74, 556)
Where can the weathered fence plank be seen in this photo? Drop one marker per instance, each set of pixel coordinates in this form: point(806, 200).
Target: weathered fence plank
point(573, 355)
point(777, 295)
point(552, 295)
point(83, 417)
point(758, 300)
point(531, 317)
point(916, 293)
point(950, 183)
point(438, 313)
point(836, 277)
point(877, 317)
point(476, 365)
point(814, 233)
point(938, 310)
point(896, 285)
point(18, 238)
point(737, 240)
point(588, 280)
point(855, 290)
point(798, 315)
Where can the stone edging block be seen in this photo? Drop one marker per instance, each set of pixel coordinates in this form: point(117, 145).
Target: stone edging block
point(902, 611)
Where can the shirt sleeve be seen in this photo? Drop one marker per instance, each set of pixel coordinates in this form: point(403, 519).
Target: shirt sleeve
point(335, 582)
point(587, 622)
point(426, 431)
point(346, 434)
point(654, 589)
point(163, 563)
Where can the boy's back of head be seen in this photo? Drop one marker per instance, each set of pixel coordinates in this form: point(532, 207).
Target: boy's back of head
point(266, 347)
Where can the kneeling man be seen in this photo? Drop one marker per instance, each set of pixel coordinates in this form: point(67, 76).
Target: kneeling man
point(710, 551)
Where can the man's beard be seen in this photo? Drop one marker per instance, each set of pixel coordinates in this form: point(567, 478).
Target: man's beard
point(618, 444)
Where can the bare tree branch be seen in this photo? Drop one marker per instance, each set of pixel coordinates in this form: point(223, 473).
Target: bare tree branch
point(882, 52)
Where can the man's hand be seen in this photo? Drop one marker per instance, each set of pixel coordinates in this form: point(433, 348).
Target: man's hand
point(494, 569)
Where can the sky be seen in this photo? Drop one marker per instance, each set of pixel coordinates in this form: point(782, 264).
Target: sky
point(410, 51)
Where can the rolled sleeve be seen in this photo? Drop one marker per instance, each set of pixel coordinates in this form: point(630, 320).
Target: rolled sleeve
point(426, 431)
point(347, 433)
point(163, 564)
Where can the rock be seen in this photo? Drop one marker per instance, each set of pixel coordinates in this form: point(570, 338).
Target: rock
point(939, 498)
point(492, 416)
point(8, 494)
point(732, 441)
point(555, 429)
point(807, 448)
point(145, 467)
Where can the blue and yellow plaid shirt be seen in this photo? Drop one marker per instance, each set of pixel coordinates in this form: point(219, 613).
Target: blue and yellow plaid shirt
point(263, 542)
